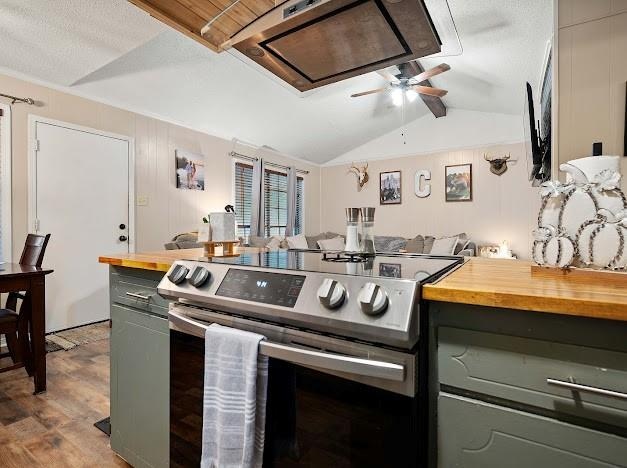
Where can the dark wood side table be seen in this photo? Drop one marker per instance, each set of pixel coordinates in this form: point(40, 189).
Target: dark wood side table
point(14, 278)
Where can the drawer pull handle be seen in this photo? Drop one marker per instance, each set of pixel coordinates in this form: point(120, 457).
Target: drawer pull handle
point(138, 296)
point(585, 388)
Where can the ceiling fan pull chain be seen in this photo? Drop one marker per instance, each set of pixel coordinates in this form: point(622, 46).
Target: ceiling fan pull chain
point(403, 129)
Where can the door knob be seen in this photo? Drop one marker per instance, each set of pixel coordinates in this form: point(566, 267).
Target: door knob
point(122, 226)
point(123, 238)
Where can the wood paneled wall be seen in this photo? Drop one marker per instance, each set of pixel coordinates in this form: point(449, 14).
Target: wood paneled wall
point(592, 76)
point(503, 207)
point(168, 210)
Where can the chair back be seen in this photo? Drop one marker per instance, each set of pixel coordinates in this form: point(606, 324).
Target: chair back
point(34, 250)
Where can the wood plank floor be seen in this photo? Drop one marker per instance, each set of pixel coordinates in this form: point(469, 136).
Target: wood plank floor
point(56, 429)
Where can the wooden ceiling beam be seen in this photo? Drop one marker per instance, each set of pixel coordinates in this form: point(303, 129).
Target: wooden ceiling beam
point(434, 103)
point(158, 13)
point(209, 22)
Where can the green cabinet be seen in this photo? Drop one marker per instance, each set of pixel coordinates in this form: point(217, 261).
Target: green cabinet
point(475, 434)
point(499, 394)
point(140, 356)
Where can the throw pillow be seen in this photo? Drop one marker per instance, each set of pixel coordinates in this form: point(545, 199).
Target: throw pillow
point(428, 244)
point(297, 242)
point(389, 243)
point(312, 241)
point(274, 243)
point(337, 243)
point(462, 242)
point(257, 241)
point(415, 245)
point(186, 237)
point(444, 246)
point(332, 235)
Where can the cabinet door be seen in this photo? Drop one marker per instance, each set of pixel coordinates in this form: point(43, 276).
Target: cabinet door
point(140, 396)
point(474, 434)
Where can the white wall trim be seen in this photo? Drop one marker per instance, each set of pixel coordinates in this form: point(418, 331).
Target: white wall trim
point(5, 184)
point(333, 162)
point(253, 151)
point(33, 120)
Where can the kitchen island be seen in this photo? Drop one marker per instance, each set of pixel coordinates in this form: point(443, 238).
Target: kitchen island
point(524, 366)
point(140, 355)
point(527, 365)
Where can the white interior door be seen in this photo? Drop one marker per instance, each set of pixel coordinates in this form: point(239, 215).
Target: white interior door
point(82, 199)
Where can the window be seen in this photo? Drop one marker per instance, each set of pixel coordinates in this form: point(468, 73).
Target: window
point(275, 201)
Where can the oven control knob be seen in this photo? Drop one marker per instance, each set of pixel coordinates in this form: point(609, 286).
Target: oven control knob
point(331, 294)
point(178, 274)
point(373, 300)
point(199, 276)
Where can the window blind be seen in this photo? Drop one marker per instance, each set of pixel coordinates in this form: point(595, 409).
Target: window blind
point(300, 219)
point(275, 201)
point(243, 197)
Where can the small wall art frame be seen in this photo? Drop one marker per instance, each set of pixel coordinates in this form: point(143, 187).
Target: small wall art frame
point(458, 182)
point(390, 188)
point(189, 170)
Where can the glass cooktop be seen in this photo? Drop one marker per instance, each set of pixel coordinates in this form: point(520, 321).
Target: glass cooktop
point(402, 266)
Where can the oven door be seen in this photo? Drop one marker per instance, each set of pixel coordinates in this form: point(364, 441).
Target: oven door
point(330, 402)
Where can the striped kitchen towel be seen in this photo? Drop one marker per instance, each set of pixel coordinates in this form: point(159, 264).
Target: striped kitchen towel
point(234, 405)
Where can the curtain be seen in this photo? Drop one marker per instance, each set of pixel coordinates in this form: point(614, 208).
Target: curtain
point(290, 227)
point(257, 218)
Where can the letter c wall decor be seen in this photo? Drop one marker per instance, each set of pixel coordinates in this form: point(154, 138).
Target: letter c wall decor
point(425, 191)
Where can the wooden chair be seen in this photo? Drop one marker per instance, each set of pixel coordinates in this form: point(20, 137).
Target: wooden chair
point(16, 325)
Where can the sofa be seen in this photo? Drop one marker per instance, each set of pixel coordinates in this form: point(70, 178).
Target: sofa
point(186, 240)
point(418, 244)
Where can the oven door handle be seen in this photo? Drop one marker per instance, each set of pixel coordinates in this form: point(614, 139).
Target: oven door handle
point(318, 359)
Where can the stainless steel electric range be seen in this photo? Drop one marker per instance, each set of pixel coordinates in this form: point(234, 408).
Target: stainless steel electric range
point(343, 338)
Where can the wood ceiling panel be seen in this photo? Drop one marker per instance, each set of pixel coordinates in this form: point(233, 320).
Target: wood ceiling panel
point(240, 13)
point(206, 9)
point(220, 19)
point(261, 7)
point(184, 16)
point(189, 28)
point(220, 31)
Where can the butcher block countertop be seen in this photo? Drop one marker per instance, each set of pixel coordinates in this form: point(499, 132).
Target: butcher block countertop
point(480, 281)
point(161, 260)
point(514, 284)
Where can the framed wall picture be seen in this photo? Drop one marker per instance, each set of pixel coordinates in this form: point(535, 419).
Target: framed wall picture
point(458, 182)
point(190, 170)
point(390, 188)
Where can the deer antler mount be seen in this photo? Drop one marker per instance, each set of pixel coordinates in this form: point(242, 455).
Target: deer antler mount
point(498, 166)
point(362, 175)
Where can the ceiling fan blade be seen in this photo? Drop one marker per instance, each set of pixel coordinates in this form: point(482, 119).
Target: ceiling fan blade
point(387, 75)
point(425, 75)
point(437, 92)
point(372, 91)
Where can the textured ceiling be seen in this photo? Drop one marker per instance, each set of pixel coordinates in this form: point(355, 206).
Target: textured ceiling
point(110, 50)
point(63, 40)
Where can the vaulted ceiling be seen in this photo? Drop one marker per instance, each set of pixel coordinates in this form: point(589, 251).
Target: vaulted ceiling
point(112, 51)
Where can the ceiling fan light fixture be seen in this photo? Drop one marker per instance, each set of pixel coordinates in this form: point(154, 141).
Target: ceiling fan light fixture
point(411, 95)
point(397, 97)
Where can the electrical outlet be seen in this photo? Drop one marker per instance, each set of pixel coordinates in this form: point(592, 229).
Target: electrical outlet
point(142, 201)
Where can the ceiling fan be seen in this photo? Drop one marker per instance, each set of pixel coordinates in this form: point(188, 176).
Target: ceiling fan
point(407, 84)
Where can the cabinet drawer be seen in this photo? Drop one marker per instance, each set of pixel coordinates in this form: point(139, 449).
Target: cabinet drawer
point(536, 372)
point(137, 289)
point(474, 434)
